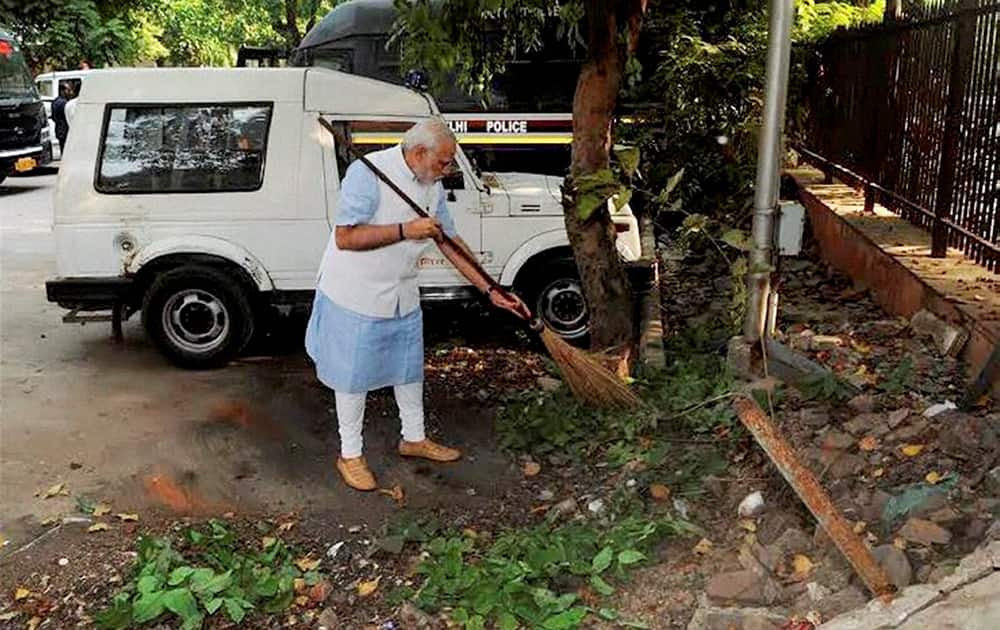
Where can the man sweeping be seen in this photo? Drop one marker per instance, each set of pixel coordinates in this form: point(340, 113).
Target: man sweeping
point(366, 328)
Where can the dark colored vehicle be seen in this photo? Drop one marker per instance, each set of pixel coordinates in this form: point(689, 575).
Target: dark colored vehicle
point(24, 131)
point(527, 125)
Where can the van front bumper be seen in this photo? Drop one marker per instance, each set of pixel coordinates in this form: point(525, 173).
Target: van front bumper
point(88, 294)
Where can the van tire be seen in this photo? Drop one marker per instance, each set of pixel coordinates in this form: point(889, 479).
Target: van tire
point(199, 317)
point(556, 295)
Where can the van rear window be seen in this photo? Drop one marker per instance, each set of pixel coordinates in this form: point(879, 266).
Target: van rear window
point(183, 148)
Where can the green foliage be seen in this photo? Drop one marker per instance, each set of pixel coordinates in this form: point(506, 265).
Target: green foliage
point(66, 32)
point(210, 571)
point(60, 33)
point(690, 397)
point(472, 41)
point(825, 386)
point(900, 378)
point(698, 106)
point(521, 578)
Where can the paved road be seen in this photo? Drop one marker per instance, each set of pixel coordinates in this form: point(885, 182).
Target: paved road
point(116, 422)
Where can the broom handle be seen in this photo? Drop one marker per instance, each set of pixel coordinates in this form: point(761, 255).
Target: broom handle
point(476, 267)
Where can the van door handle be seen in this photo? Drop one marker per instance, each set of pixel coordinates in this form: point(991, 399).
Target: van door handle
point(451, 196)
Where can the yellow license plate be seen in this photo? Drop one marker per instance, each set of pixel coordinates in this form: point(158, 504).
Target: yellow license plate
point(25, 164)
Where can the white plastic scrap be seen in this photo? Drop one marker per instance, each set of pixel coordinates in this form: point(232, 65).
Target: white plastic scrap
point(934, 410)
point(752, 505)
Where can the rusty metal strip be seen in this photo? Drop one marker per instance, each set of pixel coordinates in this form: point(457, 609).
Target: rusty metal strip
point(816, 499)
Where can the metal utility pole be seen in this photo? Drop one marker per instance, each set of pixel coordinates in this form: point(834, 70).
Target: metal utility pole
point(769, 157)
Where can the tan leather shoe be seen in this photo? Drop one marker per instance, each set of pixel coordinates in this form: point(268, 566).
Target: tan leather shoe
point(429, 450)
point(356, 474)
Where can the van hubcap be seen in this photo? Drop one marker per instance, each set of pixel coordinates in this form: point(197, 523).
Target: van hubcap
point(195, 320)
point(562, 306)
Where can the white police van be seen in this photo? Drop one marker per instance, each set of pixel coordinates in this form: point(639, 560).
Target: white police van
point(204, 198)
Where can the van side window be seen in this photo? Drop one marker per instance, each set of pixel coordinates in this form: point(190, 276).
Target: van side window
point(183, 148)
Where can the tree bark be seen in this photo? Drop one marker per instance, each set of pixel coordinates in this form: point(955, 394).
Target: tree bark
point(605, 285)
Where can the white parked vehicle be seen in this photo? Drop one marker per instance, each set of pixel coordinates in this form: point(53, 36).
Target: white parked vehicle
point(205, 197)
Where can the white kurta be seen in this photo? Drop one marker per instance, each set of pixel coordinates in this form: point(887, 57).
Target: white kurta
point(366, 328)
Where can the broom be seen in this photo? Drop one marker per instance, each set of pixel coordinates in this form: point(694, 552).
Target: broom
point(589, 380)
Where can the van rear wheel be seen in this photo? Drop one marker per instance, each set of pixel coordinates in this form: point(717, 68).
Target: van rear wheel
point(199, 317)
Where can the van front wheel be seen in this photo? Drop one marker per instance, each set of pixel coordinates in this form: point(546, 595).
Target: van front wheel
point(556, 295)
point(199, 317)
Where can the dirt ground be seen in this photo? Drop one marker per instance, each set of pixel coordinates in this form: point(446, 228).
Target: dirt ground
point(254, 443)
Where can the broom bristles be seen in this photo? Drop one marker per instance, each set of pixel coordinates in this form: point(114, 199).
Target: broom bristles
point(588, 379)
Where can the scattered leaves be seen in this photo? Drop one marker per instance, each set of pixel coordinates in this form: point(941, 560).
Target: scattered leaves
point(307, 563)
point(101, 509)
point(878, 472)
point(899, 543)
point(97, 527)
point(933, 477)
point(801, 566)
point(912, 450)
point(55, 490)
point(126, 518)
point(396, 492)
point(860, 526)
point(52, 520)
point(530, 469)
point(659, 492)
point(868, 443)
point(287, 526)
point(368, 587)
point(268, 541)
point(21, 593)
point(704, 546)
point(749, 525)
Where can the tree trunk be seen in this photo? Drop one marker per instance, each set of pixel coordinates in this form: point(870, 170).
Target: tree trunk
point(605, 285)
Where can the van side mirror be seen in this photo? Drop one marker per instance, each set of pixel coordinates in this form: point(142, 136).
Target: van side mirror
point(453, 181)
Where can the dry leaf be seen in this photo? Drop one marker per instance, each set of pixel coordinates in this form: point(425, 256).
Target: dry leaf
point(704, 546)
point(530, 469)
point(933, 477)
point(860, 527)
point(49, 521)
point(659, 492)
point(33, 622)
point(127, 517)
point(284, 527)
point(53, 491)
point(468, 532)
point(101, 509)
point(7, 616)
point(538, 509)
point(299, 585)
point(801, 566)
point(868, 443)
point(229, 515)
point(97, 527)
point(267, 541)
point(912, 450)
point(748, 524)
point(307, 563)
point(302, 600)
point(21, 593)
point(899, 543)
point(878, 472)
point(367, 588)
point(319, 591)
point(396, 492)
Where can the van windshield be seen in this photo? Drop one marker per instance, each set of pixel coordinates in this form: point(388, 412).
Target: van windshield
point(15, 81)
